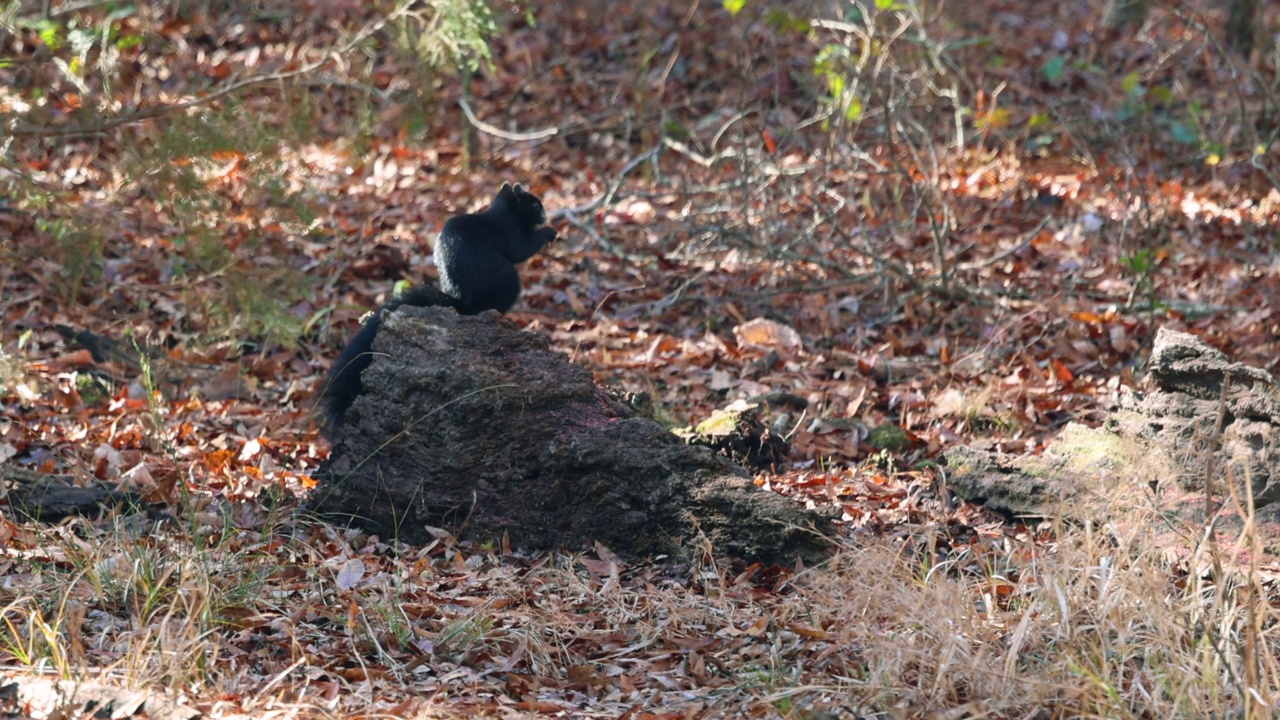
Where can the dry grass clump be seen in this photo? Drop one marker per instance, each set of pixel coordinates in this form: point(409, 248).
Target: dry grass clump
point(134, 602)
point(1087, 627)
point(240, 622)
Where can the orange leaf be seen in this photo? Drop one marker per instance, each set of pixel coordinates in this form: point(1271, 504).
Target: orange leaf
point(1062, 372)
point(219, 459)
point(79, 358)
point(758, 627)
point(808, 632)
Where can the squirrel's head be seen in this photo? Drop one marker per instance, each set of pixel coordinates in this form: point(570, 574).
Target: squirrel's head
point(524, 205)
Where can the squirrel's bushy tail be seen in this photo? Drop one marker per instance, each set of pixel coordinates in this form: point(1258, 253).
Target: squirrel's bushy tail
point(342, 386)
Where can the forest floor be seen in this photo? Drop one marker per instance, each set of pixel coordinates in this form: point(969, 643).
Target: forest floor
point(966, 224)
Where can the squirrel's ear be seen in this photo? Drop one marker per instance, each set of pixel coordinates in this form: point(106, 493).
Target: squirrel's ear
point(517, 188)
point(505, 187)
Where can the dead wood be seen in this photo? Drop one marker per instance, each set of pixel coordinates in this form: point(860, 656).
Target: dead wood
point(470, 425)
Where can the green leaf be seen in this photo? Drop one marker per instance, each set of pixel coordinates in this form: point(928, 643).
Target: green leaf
point(734, 6)
point(1185, 135)
point(1162, 94)
point(1054, 68)
point(1040, 120)
point(676, 129)
point(1129, 83)
point(1139, 262)
point(836, 83)
point(853, 109)
point(52, 36)
point(783, 21)
point(829, 59)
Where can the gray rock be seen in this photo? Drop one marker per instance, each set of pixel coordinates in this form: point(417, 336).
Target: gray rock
point(1147, 466)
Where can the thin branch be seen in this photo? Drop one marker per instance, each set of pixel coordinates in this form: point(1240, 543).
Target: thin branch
point(1024, 241)
point(766, 167)
point(499, 132)
point(568, 214)
point(607, 197)
point(77, 7)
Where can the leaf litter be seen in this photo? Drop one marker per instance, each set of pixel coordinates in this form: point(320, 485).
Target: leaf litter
point(746, 258)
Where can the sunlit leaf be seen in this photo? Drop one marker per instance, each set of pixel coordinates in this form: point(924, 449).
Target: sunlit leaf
point(837, 85)
point(997, 119)
point(853, 110)
point(1039, 121)
point(51, 35)
point(1130, 83)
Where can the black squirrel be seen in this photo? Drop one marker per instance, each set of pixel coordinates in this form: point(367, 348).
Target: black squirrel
point(476, 256)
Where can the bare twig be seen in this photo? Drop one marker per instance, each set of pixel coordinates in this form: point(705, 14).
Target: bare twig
point(76, 7)
point(607, 197)
point(568, 214)
point(1023, 242)
point(499, 132)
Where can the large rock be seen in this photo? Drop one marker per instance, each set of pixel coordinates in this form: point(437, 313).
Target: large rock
point(1178, 420)
point(1148, 465)
point(470, 425)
